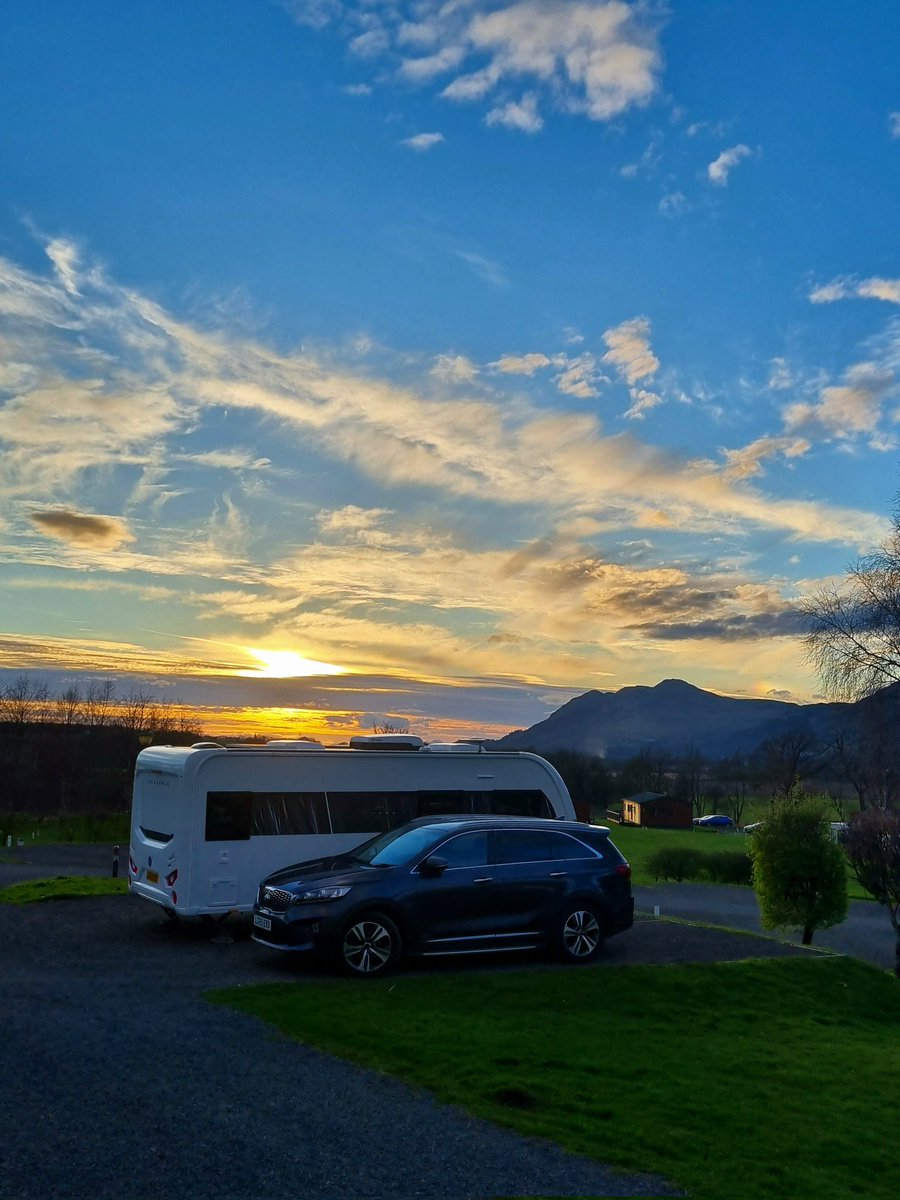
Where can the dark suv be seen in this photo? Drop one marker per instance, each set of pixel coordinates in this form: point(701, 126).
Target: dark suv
point(452, 885)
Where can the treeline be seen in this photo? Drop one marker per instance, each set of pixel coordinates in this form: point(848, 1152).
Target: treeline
point(857, 767)
point(75, 751)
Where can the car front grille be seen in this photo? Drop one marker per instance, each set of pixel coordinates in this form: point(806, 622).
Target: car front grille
point(274, 899)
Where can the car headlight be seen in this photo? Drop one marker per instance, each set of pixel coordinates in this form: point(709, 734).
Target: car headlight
point(323, 893)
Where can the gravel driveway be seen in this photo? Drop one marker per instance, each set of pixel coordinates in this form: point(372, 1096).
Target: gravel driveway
point(118, 1078)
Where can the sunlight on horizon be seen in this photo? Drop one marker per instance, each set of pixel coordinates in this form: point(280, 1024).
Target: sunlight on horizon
point(287, 664)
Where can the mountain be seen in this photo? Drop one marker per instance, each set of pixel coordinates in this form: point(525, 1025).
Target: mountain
point(669, 718)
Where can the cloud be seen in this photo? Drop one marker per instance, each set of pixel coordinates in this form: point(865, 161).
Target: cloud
point(357, 89)
point(629, 350)
point(521, 364)
point(848, 409)
point(894, 124)
point(423, 141)
point(485, 268)
point(746, 462)
point(641, 403)
point(848, 288)
point(579, 377)
point(522, 115)
point(673, 204)
point(81, 529)
point(353, 524)
point(718, 171)
point(454, 368)
point(596, 58)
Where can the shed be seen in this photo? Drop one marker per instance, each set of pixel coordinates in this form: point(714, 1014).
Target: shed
point(656, 810)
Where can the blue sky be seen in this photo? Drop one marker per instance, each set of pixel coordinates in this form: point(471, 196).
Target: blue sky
point(436, 362)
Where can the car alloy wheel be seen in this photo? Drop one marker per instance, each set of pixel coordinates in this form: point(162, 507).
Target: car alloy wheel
point(580, 934)
point(370, 945)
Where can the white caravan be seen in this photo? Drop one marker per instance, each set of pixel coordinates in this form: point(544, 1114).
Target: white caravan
point(209, 822)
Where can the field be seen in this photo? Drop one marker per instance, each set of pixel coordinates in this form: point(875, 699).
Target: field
point(764, 1078)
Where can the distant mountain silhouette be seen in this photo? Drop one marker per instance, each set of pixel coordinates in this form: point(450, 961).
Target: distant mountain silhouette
point(669, 718)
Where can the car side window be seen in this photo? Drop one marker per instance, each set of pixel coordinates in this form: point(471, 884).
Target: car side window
point(521, 845)
point(467, 850)
point(563, 846)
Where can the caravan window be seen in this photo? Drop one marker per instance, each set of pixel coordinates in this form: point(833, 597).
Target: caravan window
point(513, 803)
point(289, 812)
point(370, 812)
point(237, 816)
point(228, 816)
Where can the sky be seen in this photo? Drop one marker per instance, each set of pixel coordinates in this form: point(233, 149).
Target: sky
point(431, 363)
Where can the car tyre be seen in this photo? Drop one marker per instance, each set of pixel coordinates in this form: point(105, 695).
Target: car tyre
point(369, 945)
point(578, 935)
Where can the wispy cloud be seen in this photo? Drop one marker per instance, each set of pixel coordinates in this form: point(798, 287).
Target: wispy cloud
point(116, 396)
point(847, 288)
point(629, 350)
point(894, 124)
point(718, 171)
point(596, 58)
point(423, 141)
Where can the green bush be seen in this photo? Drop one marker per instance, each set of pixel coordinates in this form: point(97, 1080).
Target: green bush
point(729, 868)
point(685, 862)
point(676, 862)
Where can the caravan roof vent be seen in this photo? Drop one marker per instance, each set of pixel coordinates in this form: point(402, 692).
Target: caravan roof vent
point(386, 741)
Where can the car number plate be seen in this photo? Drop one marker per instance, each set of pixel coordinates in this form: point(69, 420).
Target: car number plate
point(153, 876)
point(261, 922)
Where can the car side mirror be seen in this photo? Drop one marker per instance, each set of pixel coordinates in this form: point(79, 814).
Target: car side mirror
point(433, 866)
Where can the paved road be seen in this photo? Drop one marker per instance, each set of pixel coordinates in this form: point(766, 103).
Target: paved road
point(866, 933)
point(119, 1078)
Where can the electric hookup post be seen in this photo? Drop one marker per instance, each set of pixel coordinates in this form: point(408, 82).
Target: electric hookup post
point(115, 867)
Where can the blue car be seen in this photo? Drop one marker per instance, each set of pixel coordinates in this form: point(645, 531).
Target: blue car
point(714, 821)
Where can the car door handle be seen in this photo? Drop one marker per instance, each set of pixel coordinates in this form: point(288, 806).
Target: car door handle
point(556, 874)
point(483, 879)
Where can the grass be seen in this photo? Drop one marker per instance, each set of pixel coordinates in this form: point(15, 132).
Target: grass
point(639, 844)
point(65, 827)
point(61, 887)
point(762, 1078)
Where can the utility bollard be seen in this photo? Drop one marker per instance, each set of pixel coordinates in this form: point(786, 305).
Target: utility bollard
point(115, 870)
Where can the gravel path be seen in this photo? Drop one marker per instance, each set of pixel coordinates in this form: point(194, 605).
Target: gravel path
point(119, 1077)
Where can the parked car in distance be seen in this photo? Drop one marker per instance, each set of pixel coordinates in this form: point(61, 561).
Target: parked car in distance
point(754, 825)
point(452, 885)
point(714, 821)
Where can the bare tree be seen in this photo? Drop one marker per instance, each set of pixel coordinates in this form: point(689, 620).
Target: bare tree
point(25, 701)
point(873, 848)
point(787, 760)
point(99, 702)
point(853, 637)
point(67, 706)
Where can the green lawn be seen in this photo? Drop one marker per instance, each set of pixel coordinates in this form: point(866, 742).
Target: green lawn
point(638, 844)
point(770, 1078)
point(61, 887)
point(72, 827)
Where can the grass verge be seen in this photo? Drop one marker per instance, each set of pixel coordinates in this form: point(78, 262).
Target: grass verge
point(761, 1078)
point(62, 887)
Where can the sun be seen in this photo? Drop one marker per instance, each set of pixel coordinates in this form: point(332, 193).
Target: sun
point(287, 664)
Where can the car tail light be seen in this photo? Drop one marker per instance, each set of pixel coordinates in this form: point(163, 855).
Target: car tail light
point(624, 870)
point(132, 865)
point(171, 877)
point(174, 896)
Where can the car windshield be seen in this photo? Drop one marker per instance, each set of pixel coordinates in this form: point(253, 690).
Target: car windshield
point(400, 845)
